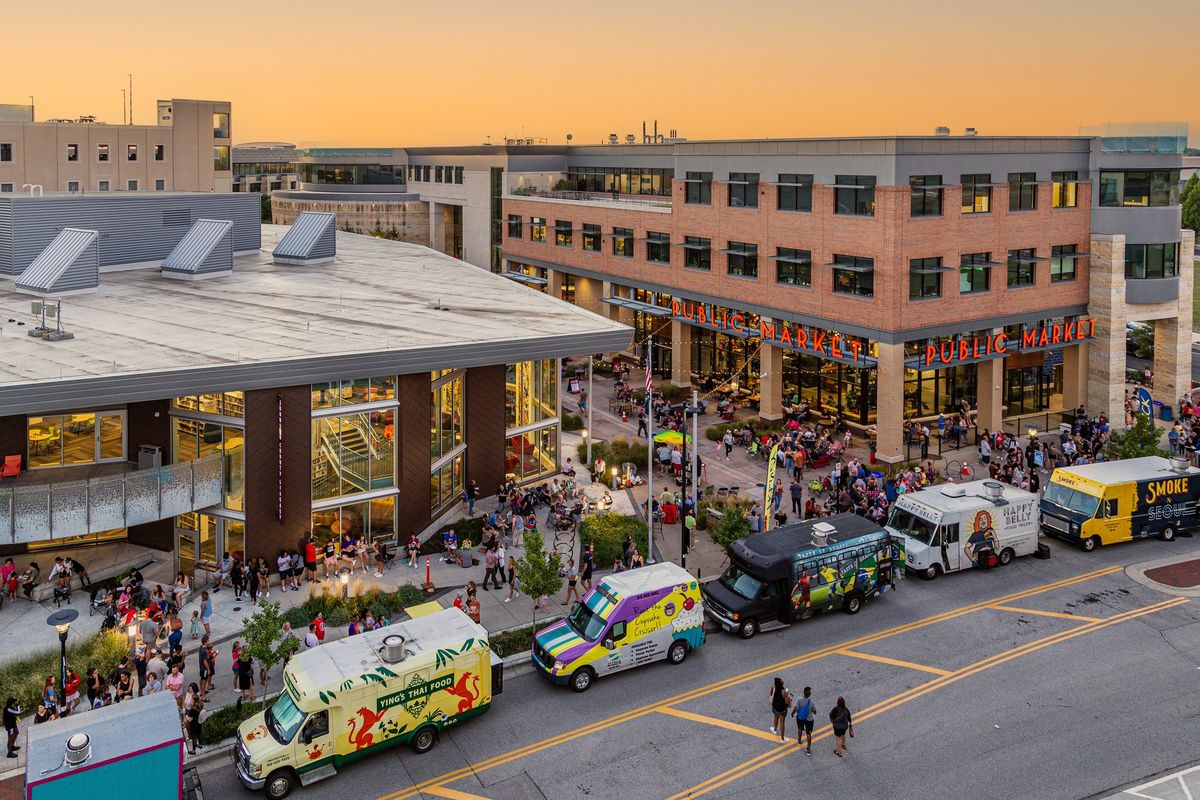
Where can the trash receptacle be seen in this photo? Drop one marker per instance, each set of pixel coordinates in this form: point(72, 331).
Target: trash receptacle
point(1165, 414)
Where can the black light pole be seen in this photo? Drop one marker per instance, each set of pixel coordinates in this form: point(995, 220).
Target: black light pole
point(61, 621)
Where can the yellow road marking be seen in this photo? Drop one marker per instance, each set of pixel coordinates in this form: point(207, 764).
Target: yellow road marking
point(720, 723)
point(450, 794)
point(1035, 612)
point(894, 662)
point(632, 714)
point(771, 757)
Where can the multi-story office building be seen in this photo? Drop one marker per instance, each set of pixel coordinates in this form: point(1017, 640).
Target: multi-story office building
point(187, 149)
point(325, 382)
point(264, 167)
point(879, 278)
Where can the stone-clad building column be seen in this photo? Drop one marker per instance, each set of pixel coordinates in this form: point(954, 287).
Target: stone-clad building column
point(770, 382)
point(989, 388)
point(1173, 335)
point(681, 354)
point(889, 403)
point(1075, 375)
point(1106, 350)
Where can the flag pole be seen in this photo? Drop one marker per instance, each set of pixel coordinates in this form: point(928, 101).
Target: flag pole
point(650, 443)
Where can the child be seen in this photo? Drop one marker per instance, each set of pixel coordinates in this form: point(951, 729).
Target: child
point(195, 624)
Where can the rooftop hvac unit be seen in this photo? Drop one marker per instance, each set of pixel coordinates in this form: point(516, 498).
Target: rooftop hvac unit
point(941, 130)
point(969, 132)
point(1179, 464)
point(821, 532)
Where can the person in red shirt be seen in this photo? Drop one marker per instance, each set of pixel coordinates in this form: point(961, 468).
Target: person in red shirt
point(71, 691)
point(319, 627)
point(310, 558)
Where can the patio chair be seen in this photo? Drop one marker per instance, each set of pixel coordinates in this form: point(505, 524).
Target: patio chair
point(11, 467)
point(734, 491)
point(722, 492)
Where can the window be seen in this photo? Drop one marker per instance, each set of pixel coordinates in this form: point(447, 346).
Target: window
point(743, 189)
point(537, 229)
point(854, 275)
point(925, 195)
point(924, 278)
point(159, 184)
point(1139, 188)
point(658, 247)
point(1151, 260)
point(795, 192)
point(102, 186)
point(446, 482)
point(976, 194)
point(1021, 270)
point(1064, 189)
point(531, 391)
point(84, 438)
point(742, 260)
point(221, 125)
point(1022, 191)
point(458, 174)
point(446, 416)
point(72, 152)
point(353, 453)
point(514, 226)
point(562, 233)
point(697, 253)
point(698, 189)
point(102, 152)
point(1062, 262)
point(160, 151)
point(854, 194)
point(591, 238)
point(623, 242)
point(793, 267)
point(425, 170)
point(6, 151)
point(974, 271)
point(437, 174)
point(6, 188)
point(72, 186)
point(221, 157)
point(131, 152)
point(131, 185)
point(532, 454)
point(622, 180)
point(332, 394)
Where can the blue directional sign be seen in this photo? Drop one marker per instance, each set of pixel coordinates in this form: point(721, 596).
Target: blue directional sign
point(1144, 406)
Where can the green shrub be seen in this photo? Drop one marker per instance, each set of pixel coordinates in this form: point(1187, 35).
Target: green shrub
point(338, 611)
point(719, 504)
point(516, 641)
point(717, 432)
point(223, 722)
point(608, 533)
point(733, 526)
point(615, 453)
point(572, 422)
point(23, 679)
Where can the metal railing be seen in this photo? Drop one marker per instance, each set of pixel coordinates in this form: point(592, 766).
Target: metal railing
point(654, 201)
point(48, 511)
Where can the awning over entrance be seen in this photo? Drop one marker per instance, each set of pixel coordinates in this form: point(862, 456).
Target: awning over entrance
point(528, 280)
point(637, 305)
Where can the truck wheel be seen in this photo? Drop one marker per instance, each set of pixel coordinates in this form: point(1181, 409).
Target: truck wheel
point(423, 740)
point(931, 572)
point(677, 652)
point(279, 784)
point(1006, 556)
point(852, 604)
point(1168, 533)
point(581, 679)
point(748, 629)
point(1090, 544)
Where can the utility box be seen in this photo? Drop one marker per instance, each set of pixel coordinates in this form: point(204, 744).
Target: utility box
point(132, 750)
point(149, 456)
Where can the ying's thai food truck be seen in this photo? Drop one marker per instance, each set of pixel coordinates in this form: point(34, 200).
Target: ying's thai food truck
point(403, 684)
point(955, 526)
point(1115, 501)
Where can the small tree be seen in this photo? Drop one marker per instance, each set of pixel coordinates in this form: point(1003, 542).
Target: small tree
point(537, 571)
point(1190, 200)
point(1140, 439)
point(266, 208)
point(263, 630)
point(733, 526)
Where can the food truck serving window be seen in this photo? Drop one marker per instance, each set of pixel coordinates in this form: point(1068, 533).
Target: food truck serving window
point(1071, 499)
point(585, 622)
point(283, 719)
point(909, 523)
point(741, 583)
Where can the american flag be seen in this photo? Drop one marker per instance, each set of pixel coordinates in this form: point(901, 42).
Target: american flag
point(649, 379)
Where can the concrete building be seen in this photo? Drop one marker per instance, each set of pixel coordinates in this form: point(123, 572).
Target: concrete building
point(187, 149)
point(301, 379)
point(264, 167)
point(880, 279)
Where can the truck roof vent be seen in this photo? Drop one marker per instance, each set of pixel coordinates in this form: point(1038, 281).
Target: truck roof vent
point(993, 490)
point(393, 649)
point(950, 490)
point(1179, 464)
point(79, 749)
point(821, 532)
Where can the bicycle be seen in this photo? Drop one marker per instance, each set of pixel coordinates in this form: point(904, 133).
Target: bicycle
point(959, 471)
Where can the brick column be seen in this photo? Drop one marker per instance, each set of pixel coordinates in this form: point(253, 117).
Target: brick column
point(149, 423)
point(681, 354)
point(1075, 376)
point(989, 386)
point(770, 382)
point(889, 403)
point(1173, 335)
point(413, 454)
point(267, 531)
point(1106, 303)
point(485, 427)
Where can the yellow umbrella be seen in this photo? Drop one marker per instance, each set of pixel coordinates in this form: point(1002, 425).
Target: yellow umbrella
point(673, 438)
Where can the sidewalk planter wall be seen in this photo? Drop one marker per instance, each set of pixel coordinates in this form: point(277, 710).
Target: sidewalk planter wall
point(608, 532)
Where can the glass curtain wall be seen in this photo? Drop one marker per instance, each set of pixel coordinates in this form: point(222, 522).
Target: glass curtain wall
point(447, 446)
point(63, 440)
point(830, 386)
point(531, 419)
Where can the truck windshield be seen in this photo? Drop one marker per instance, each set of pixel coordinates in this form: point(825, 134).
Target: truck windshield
point(741, 583)
point(283, 719)
point(1071, 499)
point(908, 523)
point(585, 622)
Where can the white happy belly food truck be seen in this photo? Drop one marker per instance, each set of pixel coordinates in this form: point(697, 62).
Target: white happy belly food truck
point(956, 526)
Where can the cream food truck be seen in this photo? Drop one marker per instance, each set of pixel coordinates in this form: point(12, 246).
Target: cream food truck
point(956, 526)
point(403, 684)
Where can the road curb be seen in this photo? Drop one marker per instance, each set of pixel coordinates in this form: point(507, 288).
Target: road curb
point(1137, 573)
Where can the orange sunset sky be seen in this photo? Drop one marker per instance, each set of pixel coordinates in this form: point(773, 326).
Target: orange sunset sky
point(396, 72)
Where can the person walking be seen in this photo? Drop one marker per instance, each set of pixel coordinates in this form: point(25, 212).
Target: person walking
point(727, 440)
point(12, 716)
point(806, 716)
point(252, 581)
point(246, 677)
point(796, 491)
point(206, 656)
point(512, 579)
point(193, 704)
point(572, 576)
point(238, 578)
point(839, 718)
point(643, 430)
point(587, 562)
point(491, 565)
point(470, 495)
point(781, 701)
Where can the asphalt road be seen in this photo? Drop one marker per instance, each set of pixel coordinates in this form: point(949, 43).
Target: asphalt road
point(1084, 682)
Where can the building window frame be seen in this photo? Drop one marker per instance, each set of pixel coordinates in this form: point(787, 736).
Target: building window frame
point(854, 276)
point(592, 238)
point(743, 189)
point(131, 152)
point(516, 226)
point(925, 278)
point(102, 152)
point(976, 193)
point(537, 229)
point(160, 152)
point(698, 189)
point(1022, 267)
point(925, 195)
point(975, 273)
point(697, 253)
point(1022, 191)
point(1063, 259)
point(1064, 189)
point(622, 242)
point(741, 260)
point(563, 233)
point(793, 267)
point(72, 152)
point(793, 192)
point(658, 247)
point(854, 195)
point(1139, 188)
point(1144, 261)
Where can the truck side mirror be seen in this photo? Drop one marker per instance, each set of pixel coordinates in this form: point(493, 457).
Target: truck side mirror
point(608, 644)
point(305, 738)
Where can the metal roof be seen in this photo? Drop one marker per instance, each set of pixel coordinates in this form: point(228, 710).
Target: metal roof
point(206, 249)
point(70, 263)
point(310, 239)
point(1130, 469)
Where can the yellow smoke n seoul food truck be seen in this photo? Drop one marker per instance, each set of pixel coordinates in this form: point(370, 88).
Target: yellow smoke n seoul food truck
point(1115, 501)
point(402, 684)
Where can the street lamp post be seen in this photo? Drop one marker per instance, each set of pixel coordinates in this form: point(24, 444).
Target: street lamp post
point(588, 430)
point(61, 621)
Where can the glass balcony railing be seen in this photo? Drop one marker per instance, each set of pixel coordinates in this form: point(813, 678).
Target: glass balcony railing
point(48, 511)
